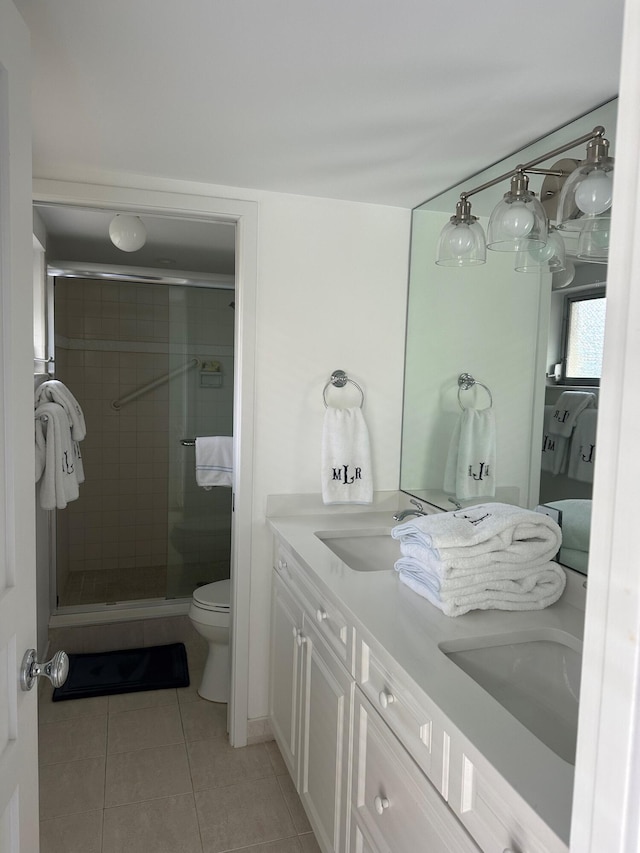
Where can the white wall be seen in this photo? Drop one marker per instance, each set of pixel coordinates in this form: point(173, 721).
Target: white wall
point(332, 281)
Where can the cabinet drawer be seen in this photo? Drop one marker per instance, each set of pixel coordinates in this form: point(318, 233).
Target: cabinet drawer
point(496, 817)
point(413, 723)
point(394, 802)
point(327, 618)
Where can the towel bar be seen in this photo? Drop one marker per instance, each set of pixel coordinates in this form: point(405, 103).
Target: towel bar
point(339, 379)
point(465, 382)
point(188, 442)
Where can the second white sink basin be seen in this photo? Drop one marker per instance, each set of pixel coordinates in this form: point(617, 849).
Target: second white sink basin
point(534, 674)
point(363, 550)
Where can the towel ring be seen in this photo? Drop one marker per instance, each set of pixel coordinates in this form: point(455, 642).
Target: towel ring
point(465, 382)
point(339, 379)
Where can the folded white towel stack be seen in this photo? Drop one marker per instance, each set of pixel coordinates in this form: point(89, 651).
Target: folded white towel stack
point(58, 463)
point(214, 461)
point(470, 467)
point(346, 458)
point(486, 557)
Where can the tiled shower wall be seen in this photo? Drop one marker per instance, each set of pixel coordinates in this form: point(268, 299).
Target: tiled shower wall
point(111, 339)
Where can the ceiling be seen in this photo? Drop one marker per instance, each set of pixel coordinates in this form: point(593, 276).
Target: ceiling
point(364, 100)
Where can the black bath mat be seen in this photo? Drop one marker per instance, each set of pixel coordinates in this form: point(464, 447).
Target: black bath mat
point(126, 671)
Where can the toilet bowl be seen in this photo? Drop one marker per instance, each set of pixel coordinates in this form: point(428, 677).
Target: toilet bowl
point(209, 614)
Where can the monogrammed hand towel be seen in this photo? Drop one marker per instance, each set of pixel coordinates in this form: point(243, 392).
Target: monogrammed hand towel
point(346, 458)
point(470, 467)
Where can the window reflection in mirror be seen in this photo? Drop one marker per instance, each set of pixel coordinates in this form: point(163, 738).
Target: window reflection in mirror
point(506, 329)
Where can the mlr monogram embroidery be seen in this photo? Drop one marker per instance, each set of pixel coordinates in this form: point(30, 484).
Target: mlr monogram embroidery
point(561, 416)
point(484, 472)
point(346, 481)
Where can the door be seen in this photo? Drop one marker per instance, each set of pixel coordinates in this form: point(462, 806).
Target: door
point(18, 711)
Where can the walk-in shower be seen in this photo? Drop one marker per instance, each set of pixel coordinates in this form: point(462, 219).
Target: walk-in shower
point(153, 367)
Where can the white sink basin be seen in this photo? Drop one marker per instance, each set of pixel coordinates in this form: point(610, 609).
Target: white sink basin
point(534, 674)
point(363, 550)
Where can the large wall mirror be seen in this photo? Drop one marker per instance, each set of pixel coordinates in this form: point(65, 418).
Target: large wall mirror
point(512, 332)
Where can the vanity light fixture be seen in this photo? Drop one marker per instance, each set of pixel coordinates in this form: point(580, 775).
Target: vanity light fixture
point(519, 222)
point(548, 258)
point(127, 232)
point(462, 240)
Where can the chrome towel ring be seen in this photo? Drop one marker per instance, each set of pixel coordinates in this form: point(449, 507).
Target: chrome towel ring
point(465, 382)
point(339, 379)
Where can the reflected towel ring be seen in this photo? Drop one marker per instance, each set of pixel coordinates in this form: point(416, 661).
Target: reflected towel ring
point(339, 379)
point(465, 382)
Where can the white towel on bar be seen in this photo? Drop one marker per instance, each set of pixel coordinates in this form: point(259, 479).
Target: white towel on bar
point(214, 461)
point(483, 534)
point(471, 462)
point(582, 453)
point(566, 410)
point(55, 391)
point(507, 588)
point(346, 458)
point(56, 458)
point(554, 447)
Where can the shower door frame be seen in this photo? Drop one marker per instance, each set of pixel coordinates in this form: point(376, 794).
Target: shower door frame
point(244, 215)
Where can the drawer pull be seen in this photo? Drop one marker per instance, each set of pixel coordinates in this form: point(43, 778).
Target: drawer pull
point(386, 698)
point(321, 615)
point(282, 565)
point(300, 638)
point(381, 803)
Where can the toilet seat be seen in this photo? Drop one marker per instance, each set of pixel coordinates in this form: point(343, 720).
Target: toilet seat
point(213, 596)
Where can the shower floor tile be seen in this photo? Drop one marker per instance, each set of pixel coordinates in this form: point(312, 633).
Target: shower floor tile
point(110, 586)
point(113, 585)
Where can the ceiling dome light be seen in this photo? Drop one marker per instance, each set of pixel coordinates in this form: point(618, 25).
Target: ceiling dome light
point(127, 232)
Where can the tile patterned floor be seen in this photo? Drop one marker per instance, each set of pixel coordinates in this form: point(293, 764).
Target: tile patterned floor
point(154, 773)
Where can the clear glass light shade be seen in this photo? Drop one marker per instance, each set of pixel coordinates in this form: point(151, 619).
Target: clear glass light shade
point(461, 244)
point(587, 194)
point(550, 258)
point(127, 232)
point(517, 223)
point(593, 243)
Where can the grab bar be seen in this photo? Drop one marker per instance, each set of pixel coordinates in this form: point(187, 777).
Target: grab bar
point(118, 404)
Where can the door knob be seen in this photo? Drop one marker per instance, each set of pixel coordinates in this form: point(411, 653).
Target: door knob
point(56, 669)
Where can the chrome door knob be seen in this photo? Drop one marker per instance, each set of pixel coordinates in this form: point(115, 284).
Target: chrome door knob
point(56, 670)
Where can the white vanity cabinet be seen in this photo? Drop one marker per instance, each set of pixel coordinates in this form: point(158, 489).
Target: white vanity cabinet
point(395, 809)
point(311, 702)
point(378, 764)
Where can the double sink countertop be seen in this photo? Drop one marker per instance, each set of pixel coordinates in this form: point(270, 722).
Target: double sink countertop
point(412, 631)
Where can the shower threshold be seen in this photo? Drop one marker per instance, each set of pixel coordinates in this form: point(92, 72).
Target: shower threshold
point(125, 611)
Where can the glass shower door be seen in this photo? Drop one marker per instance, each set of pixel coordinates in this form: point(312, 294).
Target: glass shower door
point(201, 351)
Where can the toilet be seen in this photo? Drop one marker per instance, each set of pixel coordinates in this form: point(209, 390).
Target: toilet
point(209, 614)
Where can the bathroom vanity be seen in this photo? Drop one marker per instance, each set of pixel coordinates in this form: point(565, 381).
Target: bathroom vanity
point(406, 730)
